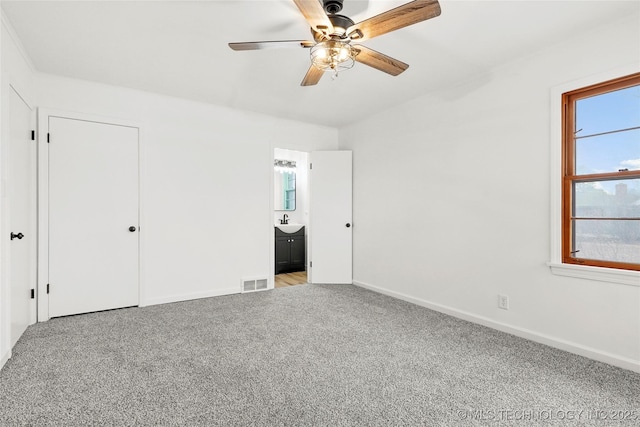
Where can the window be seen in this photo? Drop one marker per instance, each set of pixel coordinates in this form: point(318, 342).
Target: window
point(289, 189)
point(601, 175)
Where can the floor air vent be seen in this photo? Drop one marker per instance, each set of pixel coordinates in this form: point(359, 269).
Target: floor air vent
point(252, 285)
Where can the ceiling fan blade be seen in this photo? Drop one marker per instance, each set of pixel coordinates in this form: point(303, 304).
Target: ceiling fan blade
point(379, 61)
point(270, 44)
point(312, 77)
point(315, 15)
point(394, 19)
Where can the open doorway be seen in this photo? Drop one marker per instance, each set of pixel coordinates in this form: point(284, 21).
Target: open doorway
point(290, 217)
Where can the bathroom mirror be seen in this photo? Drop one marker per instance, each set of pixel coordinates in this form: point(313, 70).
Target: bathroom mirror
point(284, 189)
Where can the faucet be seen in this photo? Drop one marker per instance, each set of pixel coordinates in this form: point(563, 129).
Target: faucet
point(285, 219)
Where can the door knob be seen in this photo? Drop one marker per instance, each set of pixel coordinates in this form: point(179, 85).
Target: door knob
point(348, 225)
point(16, 236)
point(132, 229)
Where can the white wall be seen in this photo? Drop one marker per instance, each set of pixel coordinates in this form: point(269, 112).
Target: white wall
point(206, 184)
point(18, 76)
point(451, 203)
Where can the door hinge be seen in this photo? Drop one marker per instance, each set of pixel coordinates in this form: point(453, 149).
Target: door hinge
point(310, 165)
point(33, 135)
point(47, 288)
point(33, 293)
point(310, 263)
point(48, 137)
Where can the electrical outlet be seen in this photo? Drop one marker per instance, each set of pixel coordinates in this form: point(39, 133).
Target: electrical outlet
point(503, 302)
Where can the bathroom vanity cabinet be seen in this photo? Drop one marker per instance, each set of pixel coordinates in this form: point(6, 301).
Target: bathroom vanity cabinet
point(290, 251)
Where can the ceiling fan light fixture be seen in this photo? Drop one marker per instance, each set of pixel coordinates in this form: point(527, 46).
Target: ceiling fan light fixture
point(332, 34)
point(334, 55)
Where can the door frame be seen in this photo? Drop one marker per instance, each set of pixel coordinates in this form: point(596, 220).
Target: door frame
point(271, 281)
point(43, 200)
point(309, 229)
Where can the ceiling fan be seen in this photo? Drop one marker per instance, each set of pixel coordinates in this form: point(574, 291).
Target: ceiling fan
point(333, 34)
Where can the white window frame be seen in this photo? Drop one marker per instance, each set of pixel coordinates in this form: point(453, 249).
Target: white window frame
point(625, 277)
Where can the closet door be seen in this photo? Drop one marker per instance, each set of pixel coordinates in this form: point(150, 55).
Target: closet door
point(22, 216)
point(93, 216)
point(331, 211)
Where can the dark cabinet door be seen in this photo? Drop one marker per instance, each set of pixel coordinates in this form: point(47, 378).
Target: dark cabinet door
point(297, 252)
point(283, 256)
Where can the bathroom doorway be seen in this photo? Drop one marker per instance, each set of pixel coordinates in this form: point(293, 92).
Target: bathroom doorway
point(290, 217)
point(285, 280)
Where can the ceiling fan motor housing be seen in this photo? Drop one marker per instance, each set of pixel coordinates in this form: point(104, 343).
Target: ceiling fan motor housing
point(340, 24)
point(332, 6)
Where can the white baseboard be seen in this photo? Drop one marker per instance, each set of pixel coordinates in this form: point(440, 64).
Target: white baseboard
point(190, 296)
point(4, 358)
point(571, 347)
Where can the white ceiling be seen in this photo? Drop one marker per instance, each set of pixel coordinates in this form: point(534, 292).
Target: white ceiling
point(179, 48)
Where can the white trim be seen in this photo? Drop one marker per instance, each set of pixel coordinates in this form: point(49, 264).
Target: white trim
point(623, 277)
point(271, 284)
point(5, 333)
point(5, 357)
point(4, 284)
point(555, 139)
point(16, 89)
point(43, 200)
point(65, 114)
point(34, 213)
point(43, 221)
point(143, 230)
point(190, 296)
point(571, 347)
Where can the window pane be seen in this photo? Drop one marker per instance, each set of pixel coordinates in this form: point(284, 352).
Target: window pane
point(607, 199)
point(608, 153)
point(607, 240)
point(615, 110)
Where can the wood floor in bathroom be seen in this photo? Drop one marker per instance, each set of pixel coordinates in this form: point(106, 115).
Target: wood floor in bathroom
point(290, 279)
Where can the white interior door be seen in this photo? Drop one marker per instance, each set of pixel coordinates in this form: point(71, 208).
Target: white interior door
point(93, 203)
point(330, 219)
point(22, 216)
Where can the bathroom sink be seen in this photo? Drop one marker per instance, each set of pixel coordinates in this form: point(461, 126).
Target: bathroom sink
point(289, 228)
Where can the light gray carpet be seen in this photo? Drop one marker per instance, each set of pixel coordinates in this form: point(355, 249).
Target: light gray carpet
point(303, 355)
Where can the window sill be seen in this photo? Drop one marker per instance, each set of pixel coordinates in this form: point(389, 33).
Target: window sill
point(624, 277)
